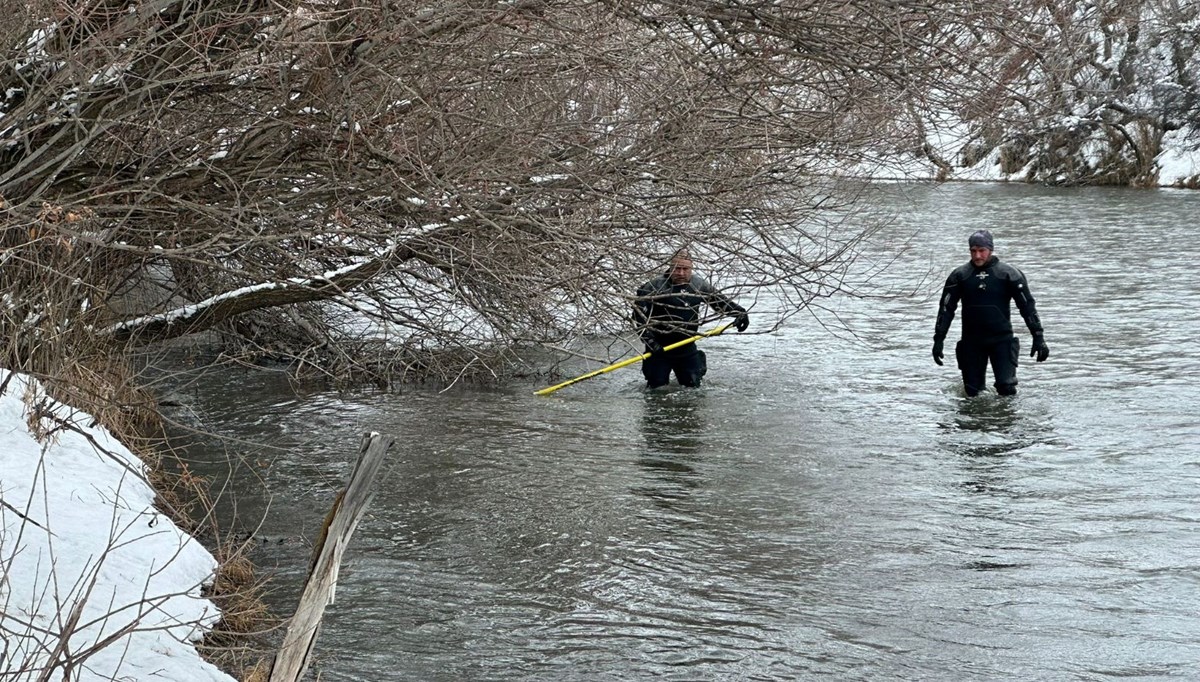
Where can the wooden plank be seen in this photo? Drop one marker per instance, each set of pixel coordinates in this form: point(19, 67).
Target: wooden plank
point(293, 657)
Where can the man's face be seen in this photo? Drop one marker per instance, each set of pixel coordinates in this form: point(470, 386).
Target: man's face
point(980, 255)
point(681, 270)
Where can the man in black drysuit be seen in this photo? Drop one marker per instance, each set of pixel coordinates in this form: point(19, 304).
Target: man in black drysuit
point(985, 286)
point(667, 310)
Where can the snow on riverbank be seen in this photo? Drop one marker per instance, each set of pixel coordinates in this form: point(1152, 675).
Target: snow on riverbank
point(92, 577)
point(1177, 164)
point(1177, 167)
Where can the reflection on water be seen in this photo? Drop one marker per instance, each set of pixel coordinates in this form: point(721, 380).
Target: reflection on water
point(675, 422)
point(984, 431)
point(819, 509)
point(988, 413)
point(674, 429)
point(673, 426)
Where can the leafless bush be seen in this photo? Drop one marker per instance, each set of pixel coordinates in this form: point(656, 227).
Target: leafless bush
point(509, 172)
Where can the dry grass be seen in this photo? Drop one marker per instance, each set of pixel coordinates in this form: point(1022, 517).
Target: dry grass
point(239, 643)
point(260, 672)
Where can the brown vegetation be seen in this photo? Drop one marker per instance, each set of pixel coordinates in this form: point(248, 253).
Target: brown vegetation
point(372, 189)
point(494, 174)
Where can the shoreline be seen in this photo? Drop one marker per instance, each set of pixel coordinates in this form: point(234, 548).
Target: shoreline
point(236, 643)
point(89, 469)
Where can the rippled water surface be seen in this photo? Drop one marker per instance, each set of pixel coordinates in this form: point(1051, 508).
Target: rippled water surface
point(827, 505)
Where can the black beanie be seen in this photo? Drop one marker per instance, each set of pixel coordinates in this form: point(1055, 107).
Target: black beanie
point(982, 238)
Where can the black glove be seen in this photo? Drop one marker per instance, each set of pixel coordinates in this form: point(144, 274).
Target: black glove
point(653, 345)
point(742, 321)
point(937, 351)
point(1040, 350)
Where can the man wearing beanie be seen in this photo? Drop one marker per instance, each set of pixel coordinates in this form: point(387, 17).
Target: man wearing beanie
point(985, 286)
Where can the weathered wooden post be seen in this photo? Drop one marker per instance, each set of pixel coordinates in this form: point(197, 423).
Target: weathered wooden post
point(293, 657)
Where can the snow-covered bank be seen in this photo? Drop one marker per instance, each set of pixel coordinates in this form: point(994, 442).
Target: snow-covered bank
point(93, 579)
point(1176, 165)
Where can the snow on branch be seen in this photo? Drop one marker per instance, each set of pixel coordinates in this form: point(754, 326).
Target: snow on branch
point(197, 317)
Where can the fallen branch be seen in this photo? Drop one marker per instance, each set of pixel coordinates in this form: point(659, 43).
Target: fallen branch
point(292, 659)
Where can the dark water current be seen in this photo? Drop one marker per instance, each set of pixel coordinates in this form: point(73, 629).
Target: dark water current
point(827, 506)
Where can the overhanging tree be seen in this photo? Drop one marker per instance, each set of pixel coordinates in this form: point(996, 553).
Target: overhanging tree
point(455, 175)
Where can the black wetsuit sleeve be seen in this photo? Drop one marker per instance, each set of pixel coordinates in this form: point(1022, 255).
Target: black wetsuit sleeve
point(718, 301)
point(643, 305)
point(947, 304)
point(1019, 290)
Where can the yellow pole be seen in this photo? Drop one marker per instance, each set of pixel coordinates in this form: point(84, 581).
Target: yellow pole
point(629, 361)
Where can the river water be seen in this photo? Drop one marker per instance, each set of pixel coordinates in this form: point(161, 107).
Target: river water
point(827, 505)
